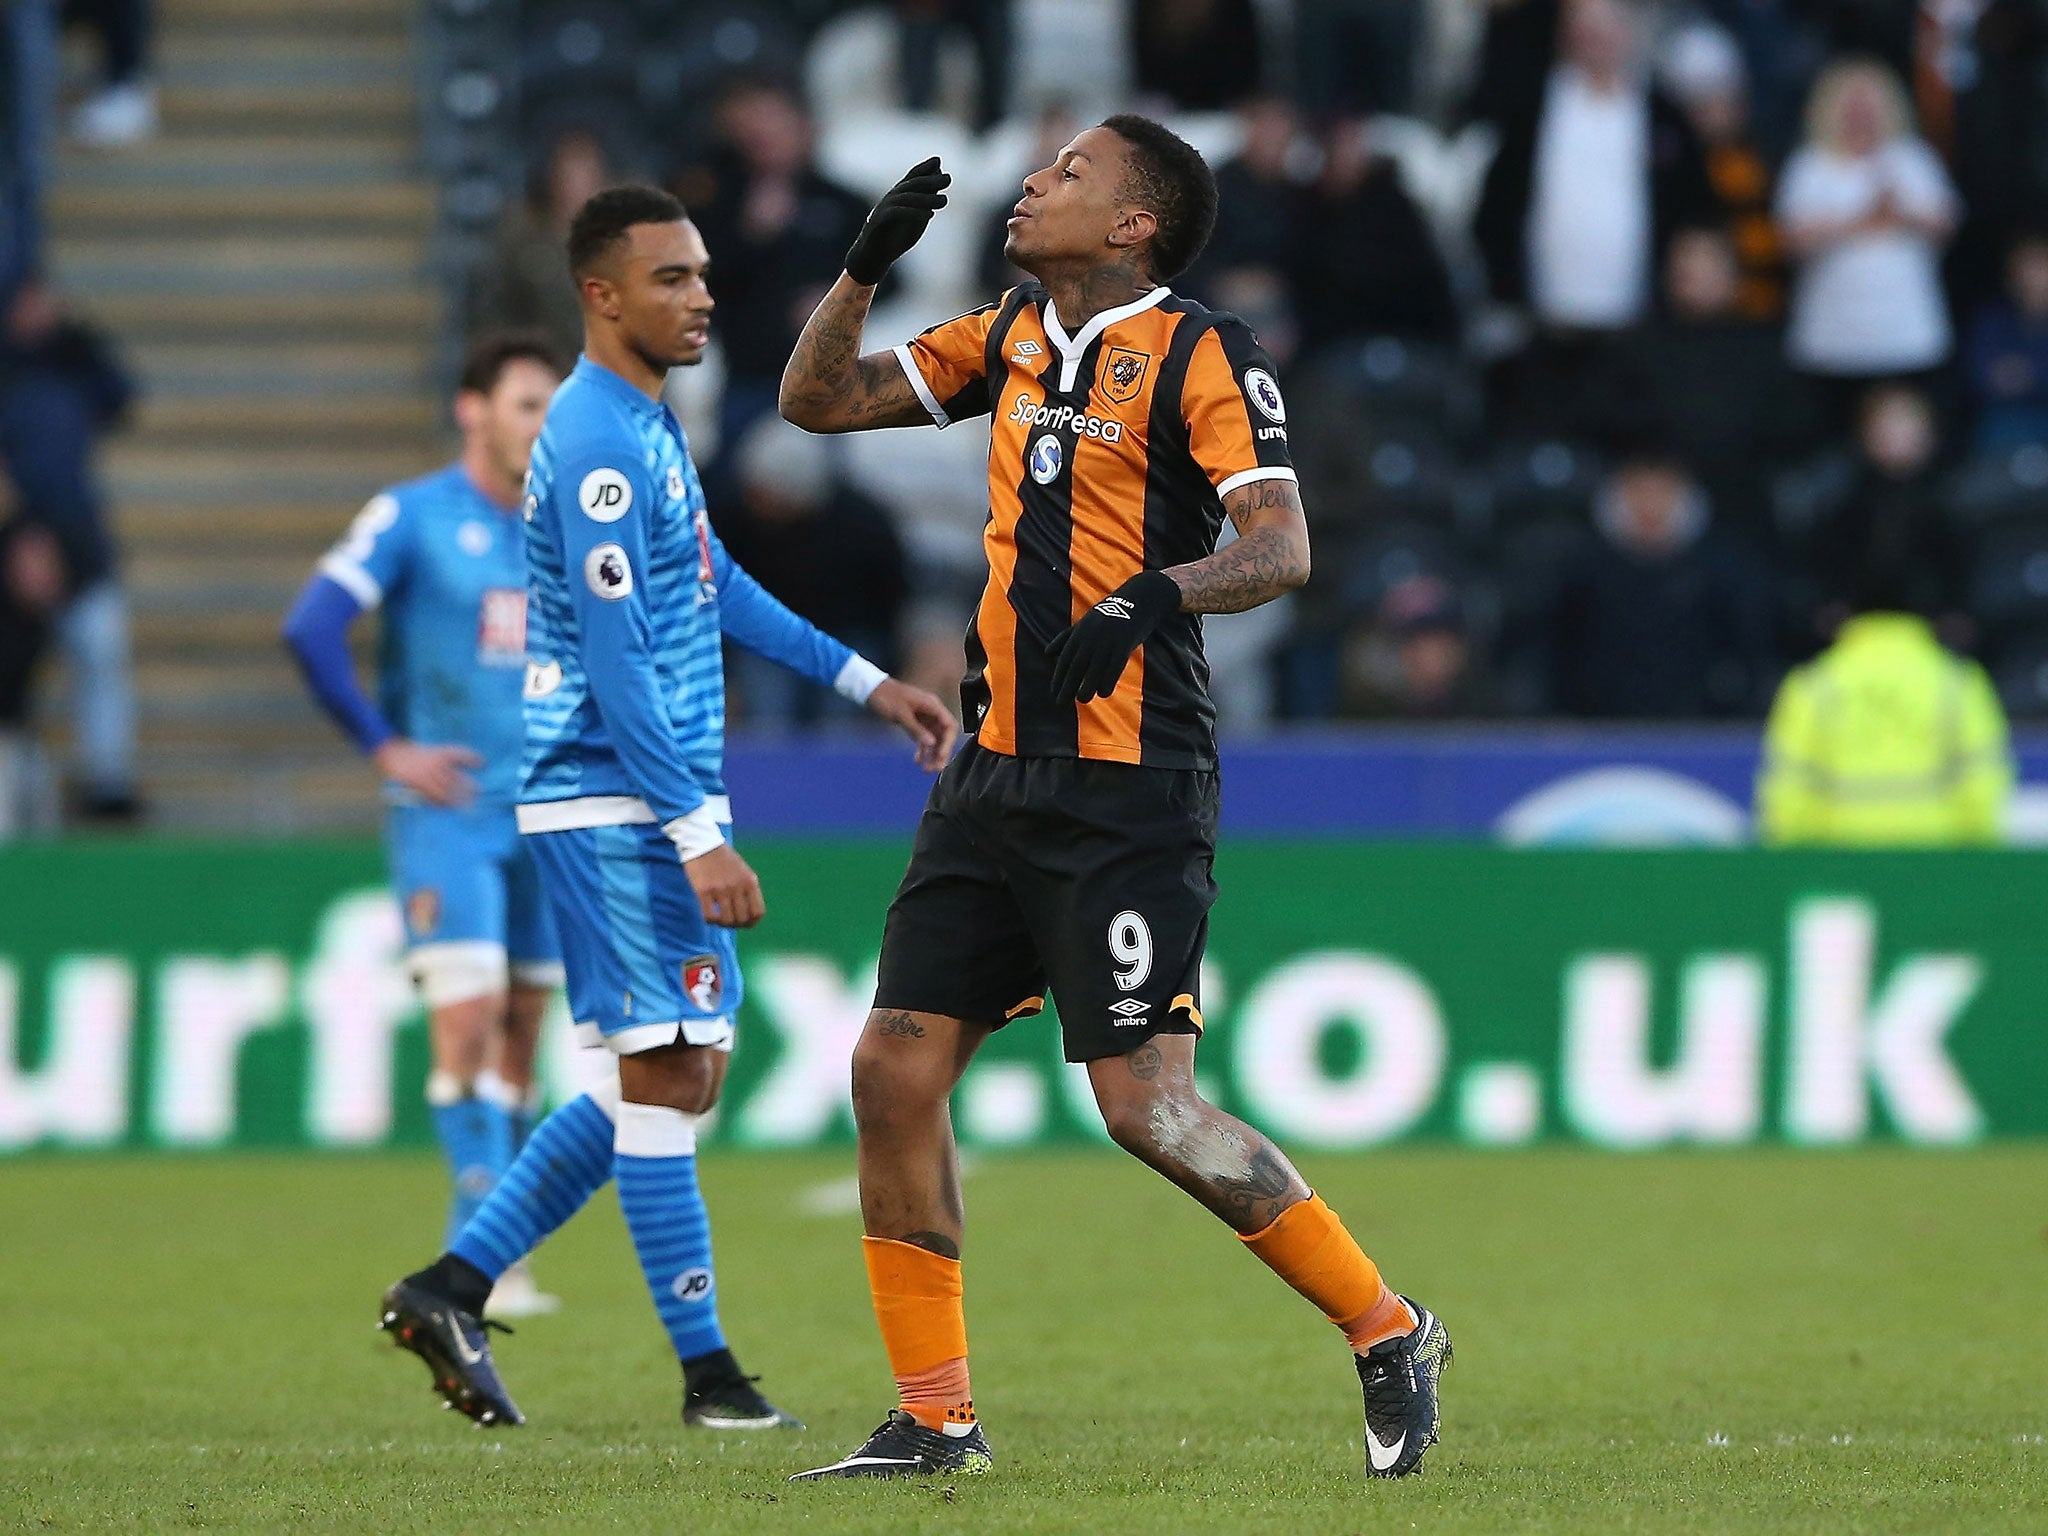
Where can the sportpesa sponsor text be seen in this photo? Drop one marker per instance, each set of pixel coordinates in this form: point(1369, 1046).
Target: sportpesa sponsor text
point(1107, 428)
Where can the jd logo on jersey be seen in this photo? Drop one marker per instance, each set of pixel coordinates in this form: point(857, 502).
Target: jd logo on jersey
point(605, 495)
point(702, 982)
point(1123, 375)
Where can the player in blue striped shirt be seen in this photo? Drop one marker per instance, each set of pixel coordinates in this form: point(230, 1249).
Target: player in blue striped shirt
point(622, 798)
point(444, 559)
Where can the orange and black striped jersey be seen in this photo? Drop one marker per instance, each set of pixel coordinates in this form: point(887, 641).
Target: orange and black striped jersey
point(1110, 454)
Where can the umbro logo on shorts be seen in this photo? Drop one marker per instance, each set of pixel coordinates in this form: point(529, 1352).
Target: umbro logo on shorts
point(1129, 1012)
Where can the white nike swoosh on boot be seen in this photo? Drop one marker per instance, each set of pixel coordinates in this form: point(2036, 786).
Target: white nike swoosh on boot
point(1373, 1450)
point(469, 1353)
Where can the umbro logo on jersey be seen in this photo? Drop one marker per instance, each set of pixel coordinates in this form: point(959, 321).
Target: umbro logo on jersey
point(1116, 607)
point(1025, 351)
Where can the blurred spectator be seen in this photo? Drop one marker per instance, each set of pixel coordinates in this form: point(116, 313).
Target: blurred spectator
point(1886, 739)
point(1657, 615)
point(1713, 381)
point(922, 29)
point(29, 71)
point(1889, 516)
point(1353, 58)
point(779, 230)
point(122, 109)
point(527, 284)
point(32, 589)
point(1597, 169)
point(824, 549)
point(1248, 264)
point(1703, 71)
point(1198, 55)
point(1975, 72)
point(2006, 362)
point(1365, 261)
point(1866, 208)
point(1413, 660)
point(60, 388)
point(1782, 50)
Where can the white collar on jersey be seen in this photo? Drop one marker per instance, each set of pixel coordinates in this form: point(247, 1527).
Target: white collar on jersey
point(1070, 348)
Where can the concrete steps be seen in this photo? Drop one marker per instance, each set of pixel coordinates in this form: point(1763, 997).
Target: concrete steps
point(264, 264)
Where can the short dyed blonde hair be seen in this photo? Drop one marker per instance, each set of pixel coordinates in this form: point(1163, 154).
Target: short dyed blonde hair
point(1831, 89)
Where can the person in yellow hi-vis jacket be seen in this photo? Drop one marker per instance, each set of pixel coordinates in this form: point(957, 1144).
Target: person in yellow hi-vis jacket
point(1886, 739)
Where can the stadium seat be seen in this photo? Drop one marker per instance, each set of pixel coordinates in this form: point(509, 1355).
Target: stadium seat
point(1401, 552)
point(1541, 483)
point(2000, 486)
point(2009, 580)
point(590, 46)
point(690, 50)
point(2020, 673)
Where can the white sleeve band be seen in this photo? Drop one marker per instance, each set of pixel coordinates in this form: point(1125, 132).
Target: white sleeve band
point(924, 390)
point(352, 579)
point(858, 679)
point(1246, 477)
point(695, 834)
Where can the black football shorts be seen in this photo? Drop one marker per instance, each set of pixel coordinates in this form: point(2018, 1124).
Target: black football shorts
point(1089, 879)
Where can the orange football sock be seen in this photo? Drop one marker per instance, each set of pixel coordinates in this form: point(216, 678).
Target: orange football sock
point(1307, 1246)
point(924, 1329)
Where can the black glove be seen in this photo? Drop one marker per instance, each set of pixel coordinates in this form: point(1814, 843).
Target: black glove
point(1089, 656)
point(897, 222)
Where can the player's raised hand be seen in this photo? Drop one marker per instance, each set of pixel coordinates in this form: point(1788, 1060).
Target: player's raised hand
point(726, 888)
point(897, 222)
point(923, 717)
point(438, 775)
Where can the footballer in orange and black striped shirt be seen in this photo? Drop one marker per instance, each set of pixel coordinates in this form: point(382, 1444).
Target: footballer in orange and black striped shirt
point(1068, 848)
point(1112, 447)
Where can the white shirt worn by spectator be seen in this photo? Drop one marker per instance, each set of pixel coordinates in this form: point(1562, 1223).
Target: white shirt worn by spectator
point(1589, 208)
point(1870, 304)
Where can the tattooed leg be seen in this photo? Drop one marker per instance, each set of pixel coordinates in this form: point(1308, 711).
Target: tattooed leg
point(904, 1071)
point(1150, 1105)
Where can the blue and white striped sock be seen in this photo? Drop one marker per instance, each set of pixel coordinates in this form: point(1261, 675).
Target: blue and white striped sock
point(656, 1165)
point(565, 1162)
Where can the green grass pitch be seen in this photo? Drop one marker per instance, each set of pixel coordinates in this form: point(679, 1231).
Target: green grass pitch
point(1740, 1342)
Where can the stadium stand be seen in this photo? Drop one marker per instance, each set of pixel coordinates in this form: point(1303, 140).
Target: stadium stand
point(265, 262)
point(344, 187)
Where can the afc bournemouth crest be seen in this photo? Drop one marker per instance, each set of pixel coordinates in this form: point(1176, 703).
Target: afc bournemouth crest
point(423, 911)
point(702, 983)
point(1123, 375)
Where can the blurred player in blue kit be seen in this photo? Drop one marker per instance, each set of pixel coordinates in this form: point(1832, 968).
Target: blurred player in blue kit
point(444, 558)
point(622, 802)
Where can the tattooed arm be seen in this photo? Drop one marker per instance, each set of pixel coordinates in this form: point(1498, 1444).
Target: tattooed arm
point(829, 387)
point(1269, 557)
